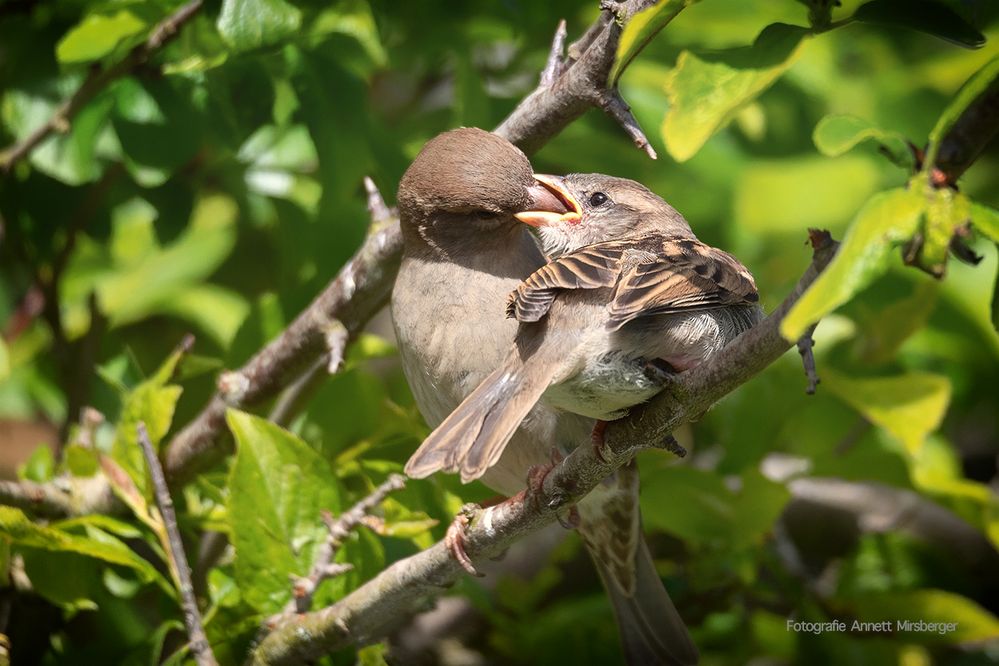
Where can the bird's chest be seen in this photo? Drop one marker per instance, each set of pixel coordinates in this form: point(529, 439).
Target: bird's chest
point(450, 330)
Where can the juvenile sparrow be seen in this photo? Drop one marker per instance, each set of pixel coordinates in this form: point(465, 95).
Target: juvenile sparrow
point(464, 252)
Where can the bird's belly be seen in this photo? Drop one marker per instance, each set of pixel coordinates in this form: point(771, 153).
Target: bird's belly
point(605, 388)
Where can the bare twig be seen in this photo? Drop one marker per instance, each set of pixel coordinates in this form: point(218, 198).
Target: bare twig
point(555, 64)
point(372, 610)
point(65, 497)
point(339, 529)
point(572, 85)
point(805, 345)
point(192, 617)
point(97, 81)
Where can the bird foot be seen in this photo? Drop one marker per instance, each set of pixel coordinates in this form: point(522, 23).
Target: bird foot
point(454, 538)
point(674, 447)
point(597, 439)
point(659, 371)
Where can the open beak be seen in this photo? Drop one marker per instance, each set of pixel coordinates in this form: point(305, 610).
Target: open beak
point(551, 202)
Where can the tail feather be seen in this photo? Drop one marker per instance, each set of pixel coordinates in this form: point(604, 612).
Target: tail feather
point(652, 631)
point(473, 437)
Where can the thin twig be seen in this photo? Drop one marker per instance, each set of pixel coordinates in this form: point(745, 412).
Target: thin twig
point(200, 647)
point(555, 64)
point(805, 345)
point(377, 208)
point(376, 607)
point(97, 81)
point(338, 530)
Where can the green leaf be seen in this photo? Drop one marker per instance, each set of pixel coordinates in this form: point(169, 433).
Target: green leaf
point(706, 91)
point(888, 218)
point(97, 35)
point(354, 19)
point(964, 621)
point(641, 29)
point(836, 134)
point(40, 465)
point(372, 655)
point(909, 406)
point(278, 488)
point(708, 512)
point(81, 461)
point(70, 157)
point(883, 327)
point(984, 81)
point(252, 24)
point(756, 508)
point(19, 530)
point(933, 18)
point(141, 288)
point(151, 402)
point(986, 220)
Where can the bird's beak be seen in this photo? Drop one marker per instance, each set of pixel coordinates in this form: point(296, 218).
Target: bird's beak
point(550, 203)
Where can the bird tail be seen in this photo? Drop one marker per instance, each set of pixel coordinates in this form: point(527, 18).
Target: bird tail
point(474, 436)
point(651, 629)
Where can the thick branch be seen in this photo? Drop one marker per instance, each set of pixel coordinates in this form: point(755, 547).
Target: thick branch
point(969, 135)
point(98, 80)
point(372, 610)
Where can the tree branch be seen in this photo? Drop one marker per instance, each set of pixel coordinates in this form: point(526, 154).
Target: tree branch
point(97, 81)
point(372, 610)
point(192, 616)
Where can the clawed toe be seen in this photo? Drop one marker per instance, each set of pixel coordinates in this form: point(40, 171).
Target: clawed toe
point(659, 371)
point(597, 439)
point(454, 538)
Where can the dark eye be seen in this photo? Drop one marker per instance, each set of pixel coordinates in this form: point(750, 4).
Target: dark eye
point(486, 214)
point(598, 199)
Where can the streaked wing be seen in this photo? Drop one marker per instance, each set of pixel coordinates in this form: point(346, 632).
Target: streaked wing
point(686, 275)
point(591, 267)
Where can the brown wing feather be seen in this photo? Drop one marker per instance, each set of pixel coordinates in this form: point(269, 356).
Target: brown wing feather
point(687, 275)
point(591, 267)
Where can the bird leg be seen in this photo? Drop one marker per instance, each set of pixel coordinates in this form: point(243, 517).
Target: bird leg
point(454, 538)
point(659, 371)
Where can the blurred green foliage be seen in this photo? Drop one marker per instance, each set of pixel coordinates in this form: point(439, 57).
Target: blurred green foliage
point(217, 188)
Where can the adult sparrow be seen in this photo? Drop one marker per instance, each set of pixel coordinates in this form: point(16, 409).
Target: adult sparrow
point(464, 252)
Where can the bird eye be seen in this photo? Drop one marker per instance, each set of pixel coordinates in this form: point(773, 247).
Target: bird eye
point(486, 214)
point(598, 199)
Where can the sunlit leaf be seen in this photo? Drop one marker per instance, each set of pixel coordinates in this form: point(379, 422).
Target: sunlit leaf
point(354, 19)
point(16, 528)
point(986, 220)
point(908, 406)
point(97, 35)
point(888, 219)
point(40, 465)
point(252, 24)
point(278, 488)
point(706, 91)
point(641, 29)
point(835, 135)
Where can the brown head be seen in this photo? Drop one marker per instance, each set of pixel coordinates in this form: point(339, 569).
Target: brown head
point(468, 180)
point(602, 208)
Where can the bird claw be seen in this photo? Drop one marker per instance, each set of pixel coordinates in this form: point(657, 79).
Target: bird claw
point(454, 538)
point(659, 372)
point(597, 439)
point(571, 520)
point(674, 447)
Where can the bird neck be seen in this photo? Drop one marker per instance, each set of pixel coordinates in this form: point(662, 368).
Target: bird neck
point(507, 249)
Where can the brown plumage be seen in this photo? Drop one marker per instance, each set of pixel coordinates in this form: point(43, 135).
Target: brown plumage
point(464, 253)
